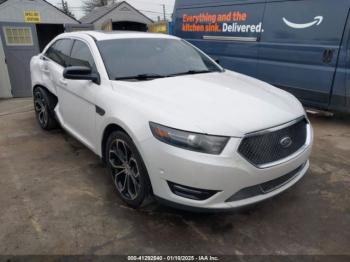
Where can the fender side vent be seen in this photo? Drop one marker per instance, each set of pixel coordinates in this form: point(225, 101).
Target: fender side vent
point(100, 111)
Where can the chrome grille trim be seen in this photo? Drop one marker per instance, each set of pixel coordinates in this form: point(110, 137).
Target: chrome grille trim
point(277, 128)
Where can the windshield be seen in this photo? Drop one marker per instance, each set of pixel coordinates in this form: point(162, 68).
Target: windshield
point(144, 58)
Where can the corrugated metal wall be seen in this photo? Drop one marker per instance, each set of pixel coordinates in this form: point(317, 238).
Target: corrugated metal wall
point(5, 86)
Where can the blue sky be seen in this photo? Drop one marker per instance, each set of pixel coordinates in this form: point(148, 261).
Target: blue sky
point(151, 8)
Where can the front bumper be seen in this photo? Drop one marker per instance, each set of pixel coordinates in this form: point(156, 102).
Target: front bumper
point(227, 173)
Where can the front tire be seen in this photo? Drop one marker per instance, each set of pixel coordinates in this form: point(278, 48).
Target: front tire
point(127, 169)
point(42, 106)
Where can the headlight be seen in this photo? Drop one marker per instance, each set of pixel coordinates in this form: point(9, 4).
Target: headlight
point(187, 140)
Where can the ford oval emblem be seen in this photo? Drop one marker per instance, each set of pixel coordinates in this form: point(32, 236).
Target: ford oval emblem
point(286, 142)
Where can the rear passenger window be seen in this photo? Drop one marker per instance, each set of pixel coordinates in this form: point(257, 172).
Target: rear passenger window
point(59, 52)
point(81, 55)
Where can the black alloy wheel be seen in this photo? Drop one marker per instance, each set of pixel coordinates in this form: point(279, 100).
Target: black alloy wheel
point(128, 171)
point(42, 106)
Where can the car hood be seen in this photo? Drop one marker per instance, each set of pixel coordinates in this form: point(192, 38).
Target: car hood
point(227, 104)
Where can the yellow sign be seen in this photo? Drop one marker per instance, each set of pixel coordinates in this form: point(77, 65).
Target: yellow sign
point(32, 17)
point(161, 27)
point(107, 25)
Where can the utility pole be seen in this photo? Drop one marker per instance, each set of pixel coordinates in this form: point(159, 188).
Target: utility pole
point(164, 12)
point(65, 8)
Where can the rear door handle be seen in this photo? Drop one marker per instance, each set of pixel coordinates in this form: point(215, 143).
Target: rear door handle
point(327, 56)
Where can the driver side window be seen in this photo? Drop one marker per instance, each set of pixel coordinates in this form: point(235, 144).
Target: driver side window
point(81, 55)
point(59, 52)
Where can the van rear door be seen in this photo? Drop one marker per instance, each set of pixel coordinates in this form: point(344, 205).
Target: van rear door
point(226, 31)
point(300, 45)
point(340, 96)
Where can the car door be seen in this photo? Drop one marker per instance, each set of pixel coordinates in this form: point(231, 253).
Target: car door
point(77, 99)
point(340, 96)
point(53, 62)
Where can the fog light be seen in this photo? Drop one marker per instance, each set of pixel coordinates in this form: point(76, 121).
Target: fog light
point(190, 192)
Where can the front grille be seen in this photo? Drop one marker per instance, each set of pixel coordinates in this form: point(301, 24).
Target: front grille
point(267, 146)
point(266, 187)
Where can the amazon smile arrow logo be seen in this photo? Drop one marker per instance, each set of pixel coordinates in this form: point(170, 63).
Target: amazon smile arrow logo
point(317, 21)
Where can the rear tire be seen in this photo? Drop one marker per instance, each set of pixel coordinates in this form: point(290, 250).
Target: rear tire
point(43, 106)
point(128, 170)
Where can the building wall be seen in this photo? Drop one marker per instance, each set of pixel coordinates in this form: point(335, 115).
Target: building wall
point(121, 13)
point(5, 86)
point(13, 11)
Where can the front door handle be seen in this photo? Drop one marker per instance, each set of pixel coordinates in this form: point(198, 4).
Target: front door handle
point(45, 69)
point(63, 82)
point(327, 56)
point(44, 66)
point(44, 58)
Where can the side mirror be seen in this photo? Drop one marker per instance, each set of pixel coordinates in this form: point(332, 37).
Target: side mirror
point(217, 61)
point(81, 73)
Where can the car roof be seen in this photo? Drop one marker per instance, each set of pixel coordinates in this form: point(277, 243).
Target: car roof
point(109, 35)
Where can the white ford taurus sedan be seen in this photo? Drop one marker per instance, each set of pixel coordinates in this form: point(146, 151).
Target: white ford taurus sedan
point(169, 122)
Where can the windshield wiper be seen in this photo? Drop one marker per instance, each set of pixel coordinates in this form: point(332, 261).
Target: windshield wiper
point(193, 72)
point(154, 76)
point(141, 77)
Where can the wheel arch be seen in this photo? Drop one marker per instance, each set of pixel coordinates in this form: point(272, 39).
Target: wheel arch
point(116, 127)
point(107, 131)
point(53, 97)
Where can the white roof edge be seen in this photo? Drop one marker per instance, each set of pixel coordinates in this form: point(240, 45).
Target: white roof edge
point(100, 36)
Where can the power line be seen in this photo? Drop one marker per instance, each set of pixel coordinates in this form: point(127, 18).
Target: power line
point(81, 8)
point(147, 2)
point(163, 12)
point(156, 12)
point(148, 11)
